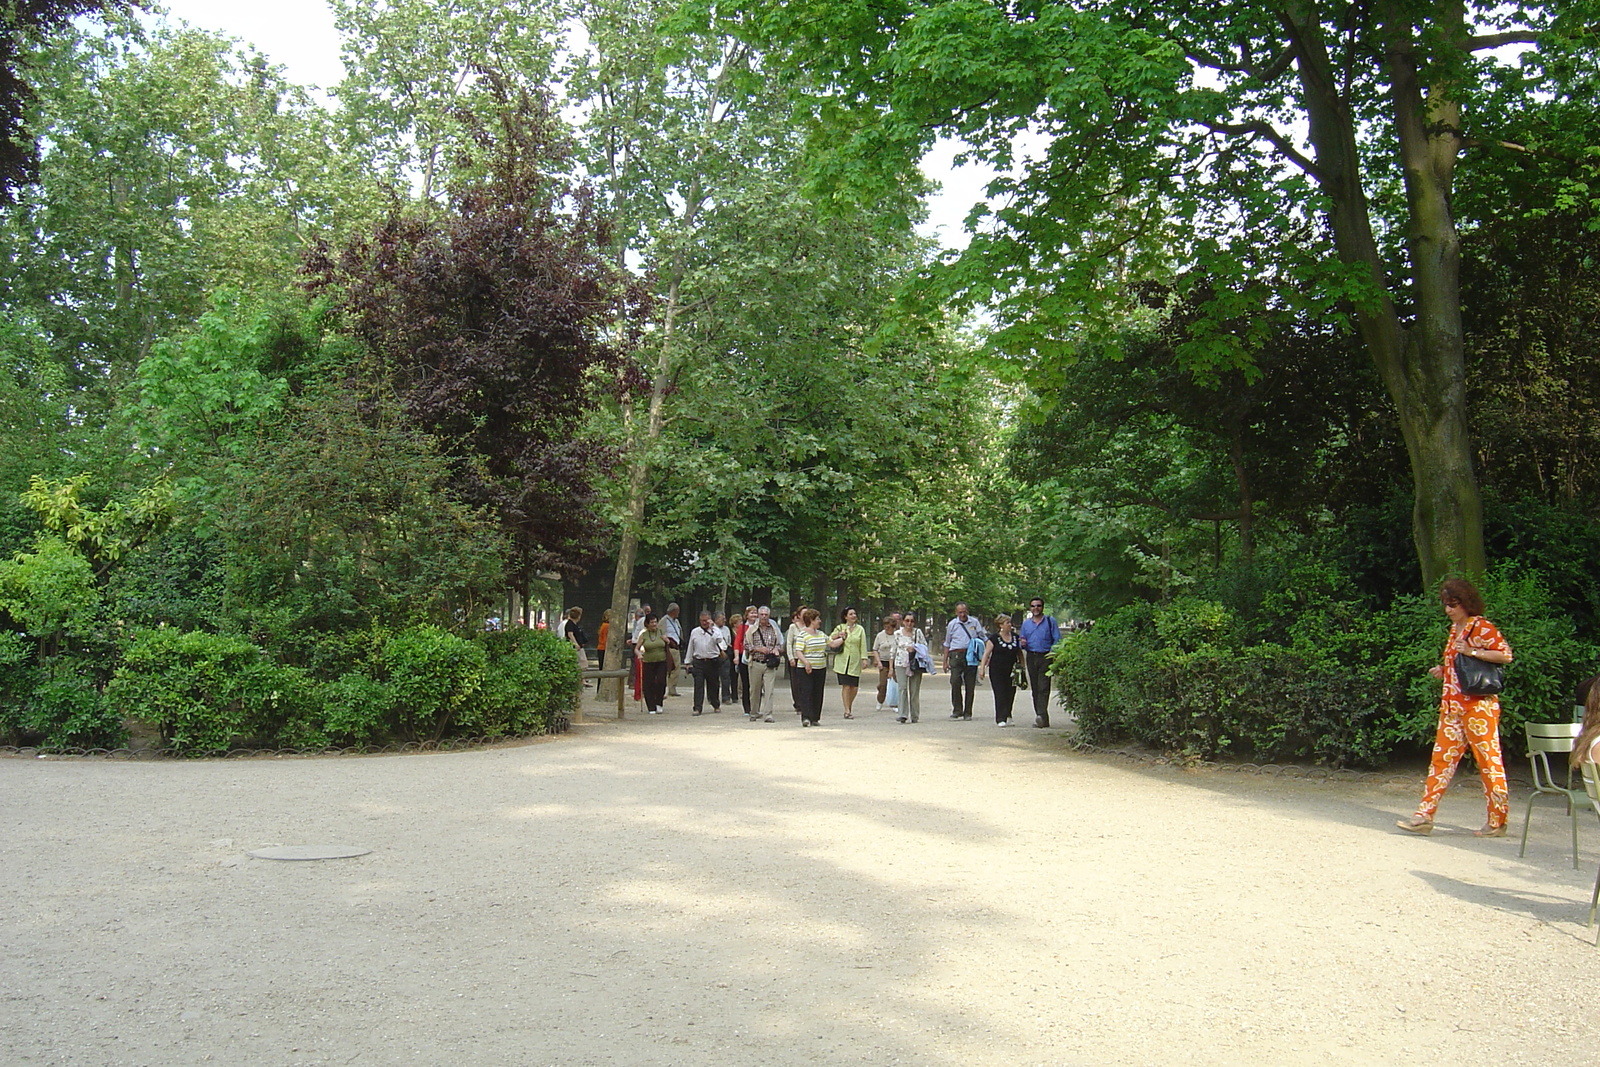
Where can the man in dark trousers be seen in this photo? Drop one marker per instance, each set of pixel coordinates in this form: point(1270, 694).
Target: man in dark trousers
point(958, 637)
point(1039, 635)
point(704, 651)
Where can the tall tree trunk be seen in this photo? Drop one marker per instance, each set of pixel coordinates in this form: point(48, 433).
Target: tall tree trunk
point(1423, 365)
point(639, 450)
point(1247, 541)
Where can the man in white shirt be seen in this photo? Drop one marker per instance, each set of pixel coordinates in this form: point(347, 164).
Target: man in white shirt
point(704, 653)
point(962, 631)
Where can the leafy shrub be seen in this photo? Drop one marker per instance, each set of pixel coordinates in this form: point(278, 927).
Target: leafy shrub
point(208, 693)
point(531, 685)
point(204, 692)
point(19, 675)
point(176, 580)
point(1343, 684)
point(356, 709)
point(432, 675)
point(69, 711)
point(50, 591)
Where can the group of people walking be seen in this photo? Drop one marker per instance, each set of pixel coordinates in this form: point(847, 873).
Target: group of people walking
point(740, 658)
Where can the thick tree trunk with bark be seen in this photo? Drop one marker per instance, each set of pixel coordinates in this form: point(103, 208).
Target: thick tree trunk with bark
point(1421, 363)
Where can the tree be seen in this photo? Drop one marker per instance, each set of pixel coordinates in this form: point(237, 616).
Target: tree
point(415, 66)
point(494, 324)
point(174, 165)
point(761, 304)
point(1170, 139)
point(341, 517)
point(25, 22)
point(1147, 468)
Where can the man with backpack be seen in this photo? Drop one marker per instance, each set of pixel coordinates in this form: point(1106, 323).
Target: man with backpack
point(1039, 635)
point(959, 637)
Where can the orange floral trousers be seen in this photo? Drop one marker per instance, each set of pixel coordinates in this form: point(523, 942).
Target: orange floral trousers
point(1465, 722)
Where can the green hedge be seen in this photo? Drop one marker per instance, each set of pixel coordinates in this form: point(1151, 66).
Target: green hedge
point(208, 693)
point(1306, 676)
point(204, 692)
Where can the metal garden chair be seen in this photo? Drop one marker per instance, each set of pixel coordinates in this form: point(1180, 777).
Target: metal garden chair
point(1545, 738)
point(1591, 786)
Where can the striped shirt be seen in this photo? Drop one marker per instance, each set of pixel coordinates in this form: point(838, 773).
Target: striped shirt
point(813, 648)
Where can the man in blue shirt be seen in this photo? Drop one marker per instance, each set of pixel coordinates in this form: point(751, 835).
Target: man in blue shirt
point(1039, 635)
point(962, 631)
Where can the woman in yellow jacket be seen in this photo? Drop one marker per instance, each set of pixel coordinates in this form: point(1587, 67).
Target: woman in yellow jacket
point(849, 641)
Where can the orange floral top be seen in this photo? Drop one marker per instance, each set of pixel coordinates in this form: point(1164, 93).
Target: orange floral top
point(1481, 633)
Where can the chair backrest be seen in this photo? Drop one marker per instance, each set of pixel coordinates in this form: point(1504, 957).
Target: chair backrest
point(1551, 736)
point(1543, 739)
point(1577, 712)
point(1591, 784)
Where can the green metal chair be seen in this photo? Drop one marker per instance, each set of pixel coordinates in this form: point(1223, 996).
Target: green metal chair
point(1545, 738)
point(1591, 786)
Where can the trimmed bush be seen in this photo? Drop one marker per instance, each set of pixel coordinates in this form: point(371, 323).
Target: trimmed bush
point(531, 686)
point(1334, 683)
point(356, 709)
point(432, 675)
point(204, 692)
point(69, 711)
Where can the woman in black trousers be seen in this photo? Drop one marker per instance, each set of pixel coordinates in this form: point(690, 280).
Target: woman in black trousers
point(1000, 663)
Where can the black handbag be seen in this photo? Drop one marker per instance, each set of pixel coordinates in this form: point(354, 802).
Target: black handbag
point(1478, 677)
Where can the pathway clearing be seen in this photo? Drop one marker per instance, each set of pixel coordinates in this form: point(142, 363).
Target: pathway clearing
point(704, 891)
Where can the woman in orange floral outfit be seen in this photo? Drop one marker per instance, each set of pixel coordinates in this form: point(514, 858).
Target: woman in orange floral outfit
point(1466, 721)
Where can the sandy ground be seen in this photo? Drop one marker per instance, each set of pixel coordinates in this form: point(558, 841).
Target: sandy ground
point(680, 890)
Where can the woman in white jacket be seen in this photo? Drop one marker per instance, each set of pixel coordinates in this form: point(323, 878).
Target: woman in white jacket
point(906, 639)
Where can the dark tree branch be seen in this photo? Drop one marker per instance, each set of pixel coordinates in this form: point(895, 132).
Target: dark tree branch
point(1497, 40)
point(1266, 132)
point(1511, 146)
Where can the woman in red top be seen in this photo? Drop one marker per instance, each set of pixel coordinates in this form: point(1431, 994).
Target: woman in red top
point(1464, 720)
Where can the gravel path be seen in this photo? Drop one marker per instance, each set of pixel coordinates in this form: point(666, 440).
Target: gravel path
point(680, 890)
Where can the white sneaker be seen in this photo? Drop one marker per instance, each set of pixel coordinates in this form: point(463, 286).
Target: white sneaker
point(880, 707)
point(1003, 722)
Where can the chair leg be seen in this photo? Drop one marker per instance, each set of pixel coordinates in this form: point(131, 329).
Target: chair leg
point(1594, 903)
point(1573, 808)
point(1527, 817)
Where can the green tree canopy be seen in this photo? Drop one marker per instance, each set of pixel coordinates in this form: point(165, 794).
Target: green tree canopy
point(1252, 144)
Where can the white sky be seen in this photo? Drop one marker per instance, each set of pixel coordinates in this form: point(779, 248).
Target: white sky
point(299, 36)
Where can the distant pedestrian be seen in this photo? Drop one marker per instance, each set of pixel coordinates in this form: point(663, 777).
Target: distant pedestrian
point(703, 652)
point(603, 636)
point(569, 631)
point(672, 630)
point(1040, 632)
point(763, 650)
point(791, 657)
point(653, 664)
point(811, 654)
point(849, 640)
point(910, 643)
point(741, 657)
point(883, 655)
point(733, 634)
point(959, 636)
point(1000, 662)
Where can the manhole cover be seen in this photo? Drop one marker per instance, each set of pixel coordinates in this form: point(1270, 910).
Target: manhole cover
point(309, 852)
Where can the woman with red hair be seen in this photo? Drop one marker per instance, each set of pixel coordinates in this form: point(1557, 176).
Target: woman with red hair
point(1466, 720)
